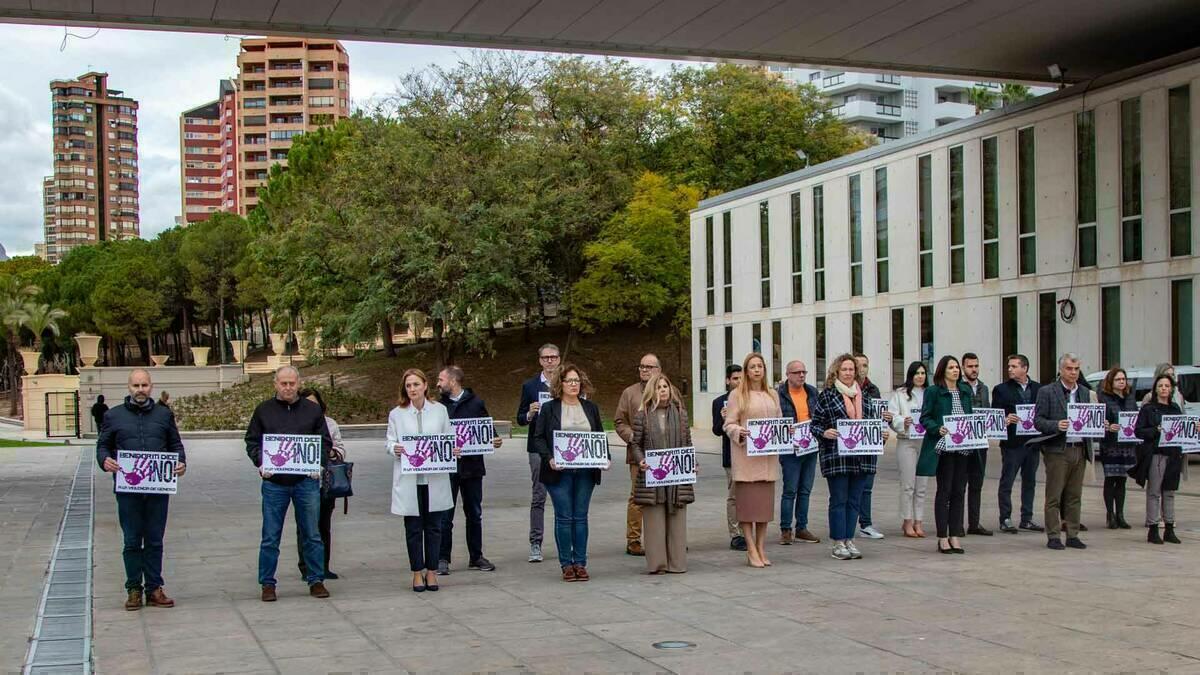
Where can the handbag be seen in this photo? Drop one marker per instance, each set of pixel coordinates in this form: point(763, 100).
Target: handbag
point(337, 477)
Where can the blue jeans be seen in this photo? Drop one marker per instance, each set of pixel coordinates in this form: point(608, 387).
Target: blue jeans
point(798, 475)
point(864, 502)
point(571, 496)
point(845, 495)
point(143, 524)
point(306, 495)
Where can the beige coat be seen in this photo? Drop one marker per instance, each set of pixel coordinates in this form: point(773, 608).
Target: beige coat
point(747, 469)
point(627, 407)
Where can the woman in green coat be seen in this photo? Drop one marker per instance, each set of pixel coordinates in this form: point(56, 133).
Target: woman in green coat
point(947, 396)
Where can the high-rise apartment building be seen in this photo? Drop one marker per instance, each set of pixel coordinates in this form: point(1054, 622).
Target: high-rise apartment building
point(891, 107)
point(49, 197)
point(95, 165)
point(200, 170)
point(286, 86)
point(229, 146)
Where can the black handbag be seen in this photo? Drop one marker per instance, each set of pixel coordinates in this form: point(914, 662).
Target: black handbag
point(337, 477)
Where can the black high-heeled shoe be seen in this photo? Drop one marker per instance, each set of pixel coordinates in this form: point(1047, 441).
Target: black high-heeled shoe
point(428, 586)
point(944, 550)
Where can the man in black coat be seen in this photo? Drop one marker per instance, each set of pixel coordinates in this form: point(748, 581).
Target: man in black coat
point(733, 377)
point(533, 392)
point(287, 413)
point(98, 410)
point(1015, 455)
point(139, 424)
point(462, 403)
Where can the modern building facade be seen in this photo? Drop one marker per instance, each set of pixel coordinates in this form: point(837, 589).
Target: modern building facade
point(95, 165)
point(888, 106)
point(200, 168)
point(286, 86)
point(1061, 224)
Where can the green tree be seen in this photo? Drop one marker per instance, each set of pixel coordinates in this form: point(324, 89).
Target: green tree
point(127, 300)
point(1014, 93)
point(983, 98)
point(39, 318)
point(211, 251)
point(14, 304)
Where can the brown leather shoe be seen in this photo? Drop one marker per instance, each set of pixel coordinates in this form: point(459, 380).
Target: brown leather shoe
point(785, 537)
point(318, 590)
point(635, 548)
point(134, 602)
point(159, 599)
point(268, 593)
point(569, 573)
point(581, 573)
point(807, 537)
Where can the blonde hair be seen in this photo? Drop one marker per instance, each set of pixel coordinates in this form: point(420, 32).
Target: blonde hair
point(836, 365)
point(743, 389)
point(650, 393)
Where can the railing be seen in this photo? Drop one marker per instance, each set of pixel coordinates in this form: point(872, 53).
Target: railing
point(286, 66)
point(833, 80)
point(888, 110)
point(887, 79)
point(838, 110)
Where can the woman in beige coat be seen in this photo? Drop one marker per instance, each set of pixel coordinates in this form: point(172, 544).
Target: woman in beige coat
point(754, 477)
point(661, 423)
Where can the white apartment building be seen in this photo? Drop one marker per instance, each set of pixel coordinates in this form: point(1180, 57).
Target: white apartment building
point(891, 107)
point(1061, 224)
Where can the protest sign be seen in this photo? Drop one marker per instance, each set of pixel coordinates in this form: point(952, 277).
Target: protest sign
point(803, 440)
point(147, 473)
point(427, 453)
point(1085, 420)
point(967, 432)
point(769, 436)
point(860, 437)
point(1127, 420)
point(672, 466)
point(1179, 431)
point(474, 435)
point(997, 425)
point(291, 453)
point(581, 449)
point(1025, 415)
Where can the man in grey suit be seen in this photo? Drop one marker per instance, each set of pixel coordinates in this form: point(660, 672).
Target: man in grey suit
point(1065, 456)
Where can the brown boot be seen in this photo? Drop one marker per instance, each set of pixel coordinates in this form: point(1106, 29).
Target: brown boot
point(268, 593)
point(134, 602)
point(785, 537)
point(318, 590)
point(635, 548)
point(159, 599)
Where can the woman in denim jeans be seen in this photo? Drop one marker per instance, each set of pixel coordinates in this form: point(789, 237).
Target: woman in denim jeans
point(570, 489)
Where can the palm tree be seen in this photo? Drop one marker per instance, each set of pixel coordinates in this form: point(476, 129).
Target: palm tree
point(14, 300)
point(1014, 93)
point(982, 98)
point(39, 318)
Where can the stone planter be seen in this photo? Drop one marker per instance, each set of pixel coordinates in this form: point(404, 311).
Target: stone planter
point(200, 356)
point(160, 360)
point(31, 358)
point(278, 343)
point(239, 350)
point(89, 348)
point(300, 348)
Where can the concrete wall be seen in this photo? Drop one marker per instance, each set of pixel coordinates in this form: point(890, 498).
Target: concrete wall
point(966, 315)
point(178, 380)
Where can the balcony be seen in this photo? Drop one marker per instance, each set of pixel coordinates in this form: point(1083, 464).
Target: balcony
point(847, 82)
point(868, 111)
point(952, 111)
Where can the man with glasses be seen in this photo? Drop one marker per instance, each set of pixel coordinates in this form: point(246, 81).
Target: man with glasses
point(536, 390)
point(631, 400)
point(796, 399)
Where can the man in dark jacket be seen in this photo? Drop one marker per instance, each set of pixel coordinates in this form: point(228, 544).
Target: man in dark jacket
point(533, 392)
point(797, 399)
point(98, 410)
point(1066, 455)
point(1015, 455)
point(287, 413)
point(870, 392)
point(977, 469)
point(733, 377)
point(468, 479)
point(140, 425)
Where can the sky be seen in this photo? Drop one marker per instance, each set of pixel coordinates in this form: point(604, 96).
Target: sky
point(166, 73)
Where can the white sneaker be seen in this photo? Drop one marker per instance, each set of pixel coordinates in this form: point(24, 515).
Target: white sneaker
point(841, 552)
point(871, 533)
point(854, 552)
point(535, 553)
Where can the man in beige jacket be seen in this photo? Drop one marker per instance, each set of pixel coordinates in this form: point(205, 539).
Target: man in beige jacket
point(631, 401)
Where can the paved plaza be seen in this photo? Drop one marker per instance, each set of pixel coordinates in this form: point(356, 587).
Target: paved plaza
point(1008, 605)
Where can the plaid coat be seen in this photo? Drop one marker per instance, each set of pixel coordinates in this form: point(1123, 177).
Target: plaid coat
point(829, 409)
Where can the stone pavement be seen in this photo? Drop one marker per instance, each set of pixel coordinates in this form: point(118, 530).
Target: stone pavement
point(1008, 605)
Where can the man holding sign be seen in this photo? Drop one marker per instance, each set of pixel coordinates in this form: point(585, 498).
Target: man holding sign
point(1065, 449)
point(289, 442)
point(799, 467)
point(473, 425)
point(147, 433)
point(1016, 393)
point(535, 392)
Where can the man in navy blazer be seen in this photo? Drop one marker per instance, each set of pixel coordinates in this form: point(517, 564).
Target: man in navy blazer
point(534, 392)
point(733, 377)
point(1016, 456)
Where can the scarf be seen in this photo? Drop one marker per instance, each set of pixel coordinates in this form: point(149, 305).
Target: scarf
point(662, 439)
point(852, 399)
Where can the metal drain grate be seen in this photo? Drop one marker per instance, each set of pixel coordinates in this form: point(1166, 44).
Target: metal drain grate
point(62, 637)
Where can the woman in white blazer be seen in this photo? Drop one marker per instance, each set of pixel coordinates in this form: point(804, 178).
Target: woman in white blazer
point(906, 406)
point(421, 498)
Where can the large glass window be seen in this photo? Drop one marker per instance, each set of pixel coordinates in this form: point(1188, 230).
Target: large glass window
point(1179, 125)
point(819, 341)
point(856, 332)
point(1026, 202)
point(728, 346)
point(925, 218)
point(756, 338)
point(818, 196)
point(1008, 326)
point(958, 237)
point(855, 206)
point(1182, 312)
point(991, 208)
point(703, 341)
point(1085, 186)
point(1110, 326)
point(898, 365)
point(1047, 337)
point(710, 292)
point(777, 350)
point(1131, 180)
point(797, 251)
point(926, 312)
point(727, 228)
point(764, 251)
point(881, 230)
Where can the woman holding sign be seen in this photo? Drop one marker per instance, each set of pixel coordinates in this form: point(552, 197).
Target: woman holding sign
point(1118, 448)
point(1158, 468)
point(940, 457)
point(416, 433)
point(906, 405)
point(571, 488)
point(661, 423)
point(754, 475)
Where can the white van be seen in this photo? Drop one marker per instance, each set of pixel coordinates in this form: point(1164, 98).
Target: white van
point(1187, 379)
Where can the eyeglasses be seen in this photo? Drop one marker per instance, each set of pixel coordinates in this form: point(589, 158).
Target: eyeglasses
point(797, 372)
point(642, 366)
point(571, 381)
point(550, 357)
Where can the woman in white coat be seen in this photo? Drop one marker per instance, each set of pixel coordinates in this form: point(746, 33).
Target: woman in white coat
point(421, 498)
point(906, 406)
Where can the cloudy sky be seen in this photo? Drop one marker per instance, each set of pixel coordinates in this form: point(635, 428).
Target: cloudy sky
point(166, 73)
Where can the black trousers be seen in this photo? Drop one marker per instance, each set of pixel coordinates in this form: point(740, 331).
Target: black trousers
point(951, 493)
point(1114, 495)
point(975, 472)
point(471, 490)
point(143, 523)
point(1023, 460)
point(423, 534)
point(324, 526)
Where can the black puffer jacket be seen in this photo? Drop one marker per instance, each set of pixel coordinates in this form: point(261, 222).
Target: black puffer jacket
point(131, 427)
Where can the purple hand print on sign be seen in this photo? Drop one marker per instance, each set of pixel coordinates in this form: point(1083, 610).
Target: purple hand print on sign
point(1077, 425)
point(140, 471)
point(852, 439)
point(960, 432)
point(663, 470)
point(759, 441)
point(1028, 422)
point(287, 450)
point(462, 434)
point(919, 427)
point(574, 449)
point(1127, 432)
point(804, 441)
point(1172, 431)
point(422, 450)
